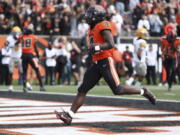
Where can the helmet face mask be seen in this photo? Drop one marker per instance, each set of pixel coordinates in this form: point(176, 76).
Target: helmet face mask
point(94, 15)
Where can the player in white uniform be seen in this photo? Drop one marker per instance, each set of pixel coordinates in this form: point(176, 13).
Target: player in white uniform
point(139, 57)
point(12, 42)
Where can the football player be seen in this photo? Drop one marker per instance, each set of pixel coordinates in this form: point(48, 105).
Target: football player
point(101, 44)
point(30, 56)
point(170, 48)
point(139, 57)
point(13, 42)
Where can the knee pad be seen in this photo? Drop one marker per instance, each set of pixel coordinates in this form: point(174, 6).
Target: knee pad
point(118, 90)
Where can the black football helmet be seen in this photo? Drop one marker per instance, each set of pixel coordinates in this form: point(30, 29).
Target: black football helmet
point(95, 14)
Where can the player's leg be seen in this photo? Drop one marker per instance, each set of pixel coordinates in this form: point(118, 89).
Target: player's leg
point(141, 71)
point(111, 77)
point(25, 68)
point(148, 75)
point(51, 75)
point(34, 64)
point(172, 72)
point(11, 67)
point(168, 66)
point(91, 77)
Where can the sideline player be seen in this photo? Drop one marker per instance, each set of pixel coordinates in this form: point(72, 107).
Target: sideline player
point(170, 47)
point(12, 42)
point(139, 57)
point(101, 43)
point(30, 56)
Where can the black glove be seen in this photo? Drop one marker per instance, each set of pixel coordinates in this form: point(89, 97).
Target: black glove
point(94, 49)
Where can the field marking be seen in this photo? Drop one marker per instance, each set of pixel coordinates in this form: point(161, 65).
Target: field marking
point(31, 117)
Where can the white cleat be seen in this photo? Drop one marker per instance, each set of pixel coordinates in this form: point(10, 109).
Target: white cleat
point(10, 88)
point(28, 86)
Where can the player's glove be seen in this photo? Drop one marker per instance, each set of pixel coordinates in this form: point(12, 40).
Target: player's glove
point(94, 49)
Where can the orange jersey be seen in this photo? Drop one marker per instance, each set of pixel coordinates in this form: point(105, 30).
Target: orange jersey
point(167, 48)
point(95, 37)
point(28, 43)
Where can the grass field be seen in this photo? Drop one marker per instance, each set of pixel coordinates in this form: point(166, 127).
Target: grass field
point(103, 90)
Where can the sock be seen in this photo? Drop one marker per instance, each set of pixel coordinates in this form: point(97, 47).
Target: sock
point(71, 113)
point(130, 81)
point(142, 92)
point(137, 84)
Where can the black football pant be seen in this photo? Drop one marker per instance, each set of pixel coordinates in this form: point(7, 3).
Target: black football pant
point(130, 69)
point(170, 66)
point(151, 75)
point(104, 68)
point(26, 60)
point(50, 72)
point(5, 75)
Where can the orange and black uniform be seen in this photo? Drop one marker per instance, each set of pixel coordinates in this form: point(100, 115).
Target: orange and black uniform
point(103, 63)
point(169, 58)
point(28, 55)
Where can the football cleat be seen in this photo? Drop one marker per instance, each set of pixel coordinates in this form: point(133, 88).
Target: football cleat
point(64, 116)
point(28, 86)
point(25, 90)
point(42, 89)
point(149, 95)
point(10, 88)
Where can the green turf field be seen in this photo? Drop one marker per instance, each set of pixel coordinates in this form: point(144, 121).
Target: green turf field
point(103, 90)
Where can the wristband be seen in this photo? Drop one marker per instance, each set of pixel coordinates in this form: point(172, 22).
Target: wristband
point(97, 48)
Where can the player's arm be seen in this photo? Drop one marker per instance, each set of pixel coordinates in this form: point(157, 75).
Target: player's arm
point(109, 42)
point(36, 49)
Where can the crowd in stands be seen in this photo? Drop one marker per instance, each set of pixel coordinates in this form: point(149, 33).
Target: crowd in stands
point(64, 17)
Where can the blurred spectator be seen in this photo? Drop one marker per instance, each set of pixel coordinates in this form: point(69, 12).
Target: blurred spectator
point(120, 6)
point(61, 57)
point(66, 76)
point(117, 20)
point(82, 28)
point(76, 63)
point(38, 26)
point(6, 52)
point(63, 16)
point(151, 59)
point(56, 26)
point(65, 25)
point(136, 15)
point(155, 24)
point(50, 63)
point(133, 4)
point(127, 58)
point(144, 23)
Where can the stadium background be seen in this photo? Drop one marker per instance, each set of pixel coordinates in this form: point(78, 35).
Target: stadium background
point(125, 41)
